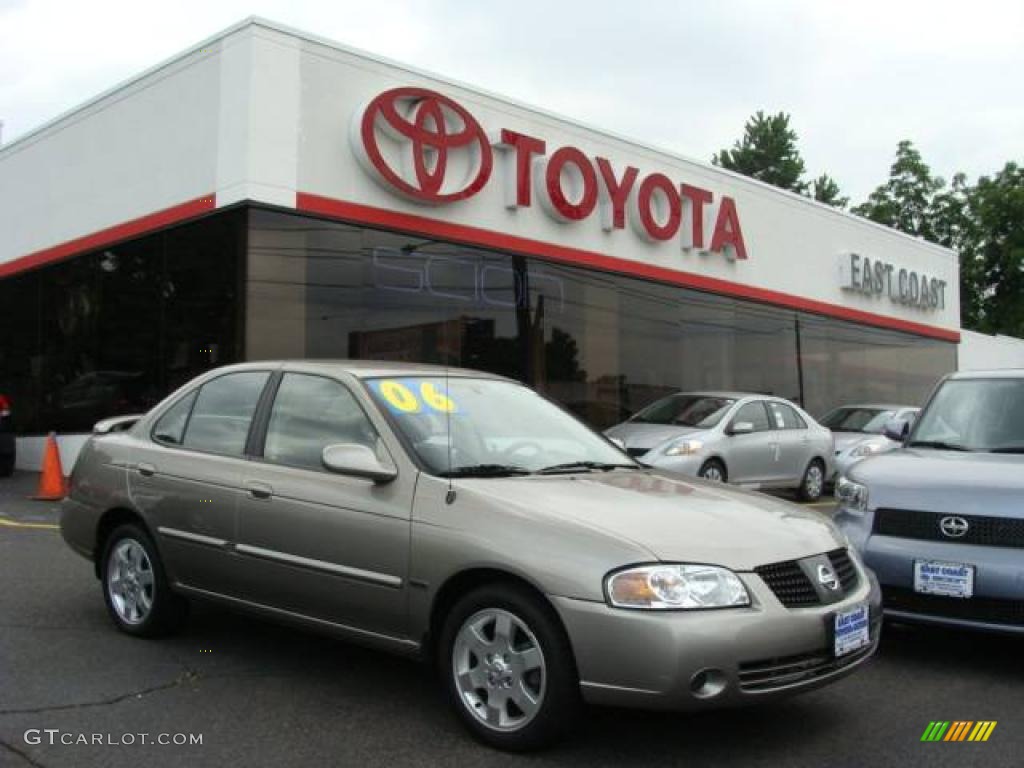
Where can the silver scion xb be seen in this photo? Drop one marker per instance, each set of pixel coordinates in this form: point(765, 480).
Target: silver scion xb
point(464, 518)
point(941, 519)
point(858, 431)
point(753, 440)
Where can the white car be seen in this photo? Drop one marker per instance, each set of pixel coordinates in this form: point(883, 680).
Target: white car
point(757, 441)
point(858, 431)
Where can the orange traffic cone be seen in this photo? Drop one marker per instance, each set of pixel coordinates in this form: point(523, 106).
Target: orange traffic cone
point(51, 480)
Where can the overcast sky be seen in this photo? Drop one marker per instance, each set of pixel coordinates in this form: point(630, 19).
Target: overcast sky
point(857, 77)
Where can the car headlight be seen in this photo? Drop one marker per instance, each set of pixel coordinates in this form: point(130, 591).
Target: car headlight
point(852, 495)
point(866, 449)
point(684, 448)
point(668, 587)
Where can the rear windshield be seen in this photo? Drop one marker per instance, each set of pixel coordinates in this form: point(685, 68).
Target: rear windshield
point(702, 411)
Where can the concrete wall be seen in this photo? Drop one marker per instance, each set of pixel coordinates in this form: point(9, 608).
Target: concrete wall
point(979, 351)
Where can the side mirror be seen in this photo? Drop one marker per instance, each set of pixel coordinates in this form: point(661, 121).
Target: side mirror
point(358, 461)
point(896, 429)
point(619, 443)
point(741, 428)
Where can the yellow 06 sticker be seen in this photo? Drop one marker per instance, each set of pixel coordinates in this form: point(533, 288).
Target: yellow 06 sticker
point(410, 395)
point(399, 396)
point(435, 399)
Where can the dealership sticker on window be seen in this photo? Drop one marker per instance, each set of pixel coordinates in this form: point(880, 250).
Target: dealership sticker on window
point(412, 395)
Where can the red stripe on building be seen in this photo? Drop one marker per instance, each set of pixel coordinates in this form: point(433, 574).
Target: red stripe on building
point(424, 226)
point(110, 235)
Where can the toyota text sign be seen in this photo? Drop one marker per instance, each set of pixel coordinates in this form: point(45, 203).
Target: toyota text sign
point(431, 150)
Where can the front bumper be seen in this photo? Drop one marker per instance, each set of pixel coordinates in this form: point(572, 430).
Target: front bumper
point(681, 465)
point(702, 659)
point(998, 601)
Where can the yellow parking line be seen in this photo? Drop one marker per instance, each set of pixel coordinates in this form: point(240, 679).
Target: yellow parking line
point(819, 504)
point(17, 524)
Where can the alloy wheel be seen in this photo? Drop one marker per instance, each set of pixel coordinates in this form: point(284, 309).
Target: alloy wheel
point(130, 581)
point(499, 669)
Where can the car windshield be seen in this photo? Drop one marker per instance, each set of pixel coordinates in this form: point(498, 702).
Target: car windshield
point(974, 415)
point(495, 428)
point(700, 411)
point(868, 420)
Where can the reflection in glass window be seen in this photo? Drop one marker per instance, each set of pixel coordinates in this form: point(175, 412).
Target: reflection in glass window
point(310, 413)
point(223, 411)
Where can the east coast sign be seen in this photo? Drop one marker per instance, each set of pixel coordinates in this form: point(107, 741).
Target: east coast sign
point(428, 148)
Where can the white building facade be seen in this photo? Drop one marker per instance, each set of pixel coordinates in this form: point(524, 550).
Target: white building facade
point(270, 194)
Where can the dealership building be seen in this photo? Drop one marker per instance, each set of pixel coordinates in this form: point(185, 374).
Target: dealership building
point(269, 194)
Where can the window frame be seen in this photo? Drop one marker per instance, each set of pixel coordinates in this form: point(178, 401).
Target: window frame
point(767, 414)
point(801, 421)
point(196, 389)
point(266, 410)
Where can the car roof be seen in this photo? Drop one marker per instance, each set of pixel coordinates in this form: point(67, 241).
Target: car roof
point(1000, 373)
point(368, 369)
point(880, 406)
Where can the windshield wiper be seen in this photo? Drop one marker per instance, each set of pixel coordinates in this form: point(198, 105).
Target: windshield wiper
point(1016, 448)
point(485, 470)
point(578, 466)
point(938, 444)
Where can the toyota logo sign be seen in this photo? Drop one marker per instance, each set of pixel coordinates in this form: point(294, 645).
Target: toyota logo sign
point(424, 145)
point(428, 148)
point(954, 527)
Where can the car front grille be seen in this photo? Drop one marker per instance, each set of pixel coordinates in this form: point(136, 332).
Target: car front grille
point(987, 609)
point(770, 674)
point(981, 530)
point(793, 587)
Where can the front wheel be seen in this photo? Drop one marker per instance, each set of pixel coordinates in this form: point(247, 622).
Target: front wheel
point(813, 483)
point(135, 588)
point(713, 469)
point(508, 668)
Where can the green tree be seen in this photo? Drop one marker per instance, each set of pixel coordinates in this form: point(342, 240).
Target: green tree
point(904, 202)
point(825, 189)
point(767, 152)
point(996, 209)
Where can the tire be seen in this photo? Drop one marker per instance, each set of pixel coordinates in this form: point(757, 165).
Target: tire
point(144, 605)
point(813, 482)
point(535, 666)
point(6, 464)
point(713, 469)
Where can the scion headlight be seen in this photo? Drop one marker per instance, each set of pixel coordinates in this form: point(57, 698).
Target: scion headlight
point(684, 448)
point(852, 495)
point(661, 587)
point(865, 449)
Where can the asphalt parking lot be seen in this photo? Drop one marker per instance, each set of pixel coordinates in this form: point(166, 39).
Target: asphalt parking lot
point(260, 694)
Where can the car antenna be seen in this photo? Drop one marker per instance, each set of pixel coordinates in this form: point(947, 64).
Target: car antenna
point(450, 496)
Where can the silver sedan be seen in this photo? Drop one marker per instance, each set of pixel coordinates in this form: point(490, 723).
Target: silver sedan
point(462, 518)
point(751, 440)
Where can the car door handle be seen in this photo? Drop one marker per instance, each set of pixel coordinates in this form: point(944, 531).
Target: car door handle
point(147, 470)
point(259, 490)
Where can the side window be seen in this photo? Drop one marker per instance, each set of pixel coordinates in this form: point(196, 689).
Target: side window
point(756, 414)
point(223, 411)
point(310, 413)
point(785, 417)
point(171, 426)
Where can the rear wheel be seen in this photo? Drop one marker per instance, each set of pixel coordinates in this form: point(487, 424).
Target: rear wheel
point(713, 469)
point(6, 464)
point(135, 588)
point(813, 482)
point(508, 669)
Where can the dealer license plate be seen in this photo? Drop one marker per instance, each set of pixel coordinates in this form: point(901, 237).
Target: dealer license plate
point(935, 577)
point(852, 630)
